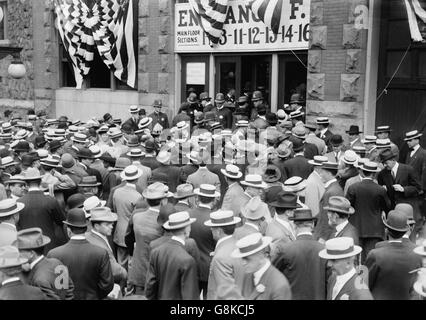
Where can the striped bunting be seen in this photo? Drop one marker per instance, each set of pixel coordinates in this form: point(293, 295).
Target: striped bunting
point(416, 18)
point(269, 11)
point(212, 15)
point(108, 27)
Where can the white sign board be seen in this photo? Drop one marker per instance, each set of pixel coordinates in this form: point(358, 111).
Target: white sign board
point(195, 73)
point(243, 31)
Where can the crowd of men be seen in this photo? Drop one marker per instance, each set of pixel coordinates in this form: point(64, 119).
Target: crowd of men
point(227, 201)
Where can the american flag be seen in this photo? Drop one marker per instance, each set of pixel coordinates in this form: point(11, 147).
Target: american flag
point(416, 18)
point(108, 27)
point(269, 11)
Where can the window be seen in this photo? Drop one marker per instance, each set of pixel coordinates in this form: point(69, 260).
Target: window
point(3, 19)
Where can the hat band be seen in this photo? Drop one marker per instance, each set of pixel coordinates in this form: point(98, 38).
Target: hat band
point(207, 191)
point(131, 174)
point(234, 174)
point(254, 182)
point(15, 206)
point(292, 184)
point(251, 247)
point(337, 209)
point(365, 167)
point(222, 220)
point(338, 252)
point(175, 223)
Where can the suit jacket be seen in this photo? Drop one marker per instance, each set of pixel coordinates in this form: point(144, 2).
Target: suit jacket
point(348, 231)
point(407, 178)
point(118, 272)
point(225, 271)
point(350, 182)
point(150, 162)
point(368, 200)
point(124, 203)
point(182, 116)
point(276, 286)
point(132, 123)
point(280, 235)
point(245, 230)
point(388, 270)
point(168, 174)
point(326, 137)
point(310, 150)
point(17, 290)
point(234, 199)
point(44, 276)
point(298, 166)
point(204, 239)
point(160, 118)
point(145, 229)
point(215, 169)
point(203, 175)
point(418, 162)
point(89, 268)
point(304, 269)
point(318, 142)
point(314, 192)
point(323, 229)
point(350, 291)
point(280, 163)
point(186, 171)
point(172, 273)
point(43, 212)
point(8, 234)
point(344, 174)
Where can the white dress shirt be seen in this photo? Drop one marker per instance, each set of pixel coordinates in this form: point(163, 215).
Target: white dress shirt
point(286, 225)
point(341, 281)
point(178, 240)
point(395, 170)
point(10, 280)
point(253, 225)
point(341, 226)
point(415, 148)
point(328, 183)
point(32, 264)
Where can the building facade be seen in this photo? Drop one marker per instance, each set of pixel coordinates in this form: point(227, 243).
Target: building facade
point(341, 66)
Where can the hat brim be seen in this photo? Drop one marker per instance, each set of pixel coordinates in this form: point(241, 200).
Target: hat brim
point(224, 172)
point(178, 226)
point(199, 193)
point(266, 241)
point(350, 212)
point(396, 229)
point(50, 165)
point(209, 223)
point(19, 207)
point(414, 137)
point(20, 262)
point(324, 255)
point(146, 196)
point(33, 178)
point(303, 219)
point(348, 162)
point(46, 241)
point(137, 176)
point(112, 218)
point(75, 225)
point(353, 132)
point(263, 185)
point(183, 196)
point(368, 170)
point(275, 204)
point(420, 251)
point(79, 141)
point(134, 155)
point(145, 124)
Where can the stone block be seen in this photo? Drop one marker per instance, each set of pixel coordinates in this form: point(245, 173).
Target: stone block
point(353, 61)
point(163, 83)
point(352, 37)
point(143, 27)
point(314, 61)
point(333, 109)
point(315, 86)
point(165, 25)
point(143, 82)
point(164, 7)
point(142, 63)
point(143, 45)
point(164, 44)
point(318, 37)
point(144, 8)
point(357, 8)
point(165, 63)
point(351, 87)
point(317, 13)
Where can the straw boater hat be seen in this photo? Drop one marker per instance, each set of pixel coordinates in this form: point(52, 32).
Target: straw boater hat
point(207, 190)
point(222, 218)
point(144, 122)
point(367, 165)
point(32, 174)
point(131, 173)
point(255, 181)
point(318, 161)
point(10, 257)
point(339, 248)
point(383, 129)
point(294, 184)
point(80, 138)
point(93, 202)
point(134, 109)
point(251, 244)
point(182, 125)
point(323, 120)
point(103, 214)
point(31, 238)
point(339, 205)
point(178, 220)
point(412, 135)
point(115, 133)
point(51, 162)
point(7, 161)
point(369, 139)
point(383, 143)
point(184, 190)
point(96, 151)
point(157, 190)
point(135, 153)
point(232, 171)
point(255, 209)
point(350, 157)
point(15, 179)
point(9, 207)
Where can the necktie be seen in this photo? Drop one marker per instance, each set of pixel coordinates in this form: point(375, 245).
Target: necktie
point(393, 174)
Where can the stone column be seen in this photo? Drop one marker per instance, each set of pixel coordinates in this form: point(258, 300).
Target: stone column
point(336, 64)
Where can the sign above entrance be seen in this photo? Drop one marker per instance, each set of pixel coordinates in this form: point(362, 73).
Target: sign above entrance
point(195, 73)
point(243, 30)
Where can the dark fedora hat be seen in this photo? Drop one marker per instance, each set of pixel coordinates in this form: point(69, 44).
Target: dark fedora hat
point(287, 200)
point(22, 146)
point(271, 118)
point(336, 140)
point(76, 218)
point(272, 174)
point(303, 214)
point(387, 155)
point(76, 201)
point(220, 98)
point(397, 221)
point(108, 158)
point(89, 181)
point(85, 153)
point(242, 100)
point(40, 142)
point(54, 145)
point(353, 130)
point(31, 238)
point(257, 95)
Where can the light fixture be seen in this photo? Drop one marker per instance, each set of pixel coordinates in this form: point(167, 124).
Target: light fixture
point(17, 69)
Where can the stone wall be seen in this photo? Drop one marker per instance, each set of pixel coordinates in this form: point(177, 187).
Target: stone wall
point(336, 63)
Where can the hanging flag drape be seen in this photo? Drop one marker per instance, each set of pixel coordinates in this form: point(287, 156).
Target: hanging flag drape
point(212, 15)
point(107, 28)
point(269, 11)
point(416, 18)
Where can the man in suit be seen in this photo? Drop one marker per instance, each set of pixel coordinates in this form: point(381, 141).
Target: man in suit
point(234, 197)
point(299, 260)
point(401, 183)
point(298, 165)
point(314, 186)
point(172, 272)
point(9, 217)
point(133, 121)
point(88, 265)
point(189, 168)
point(150, 160)
point(323, 130)
point(158, 116)
point(223, 114)
point(41, 211)
point(328, 172)
point(336, 149)
point(348, 167)
point(203, 176)
point(339, 210)
point(254, 218)
point(344, 283)
point(280, 228)
point(298, 136)
point(12, 287)
point(384, 132)
point(354, 137)
point(142, 230)
point(167, 173)
point(262, 281)
point(369, 201)
point(86, 159)
point(313, 139)
point(417, 159)
point(102, 220)
point(43, 272)
point(124, 202)
point(358, 177)
point(225, 272)
point(184, 195)
point(207, 194)
point(391, 263)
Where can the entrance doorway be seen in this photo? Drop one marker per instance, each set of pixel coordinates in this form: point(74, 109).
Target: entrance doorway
point(291, 77)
